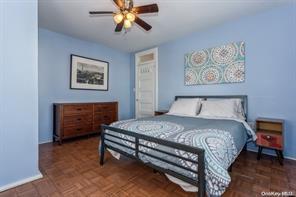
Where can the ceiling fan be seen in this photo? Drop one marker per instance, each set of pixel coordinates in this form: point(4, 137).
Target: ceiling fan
point(128, 14)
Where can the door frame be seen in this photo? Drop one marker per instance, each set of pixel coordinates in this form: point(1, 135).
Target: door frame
point(137, 55)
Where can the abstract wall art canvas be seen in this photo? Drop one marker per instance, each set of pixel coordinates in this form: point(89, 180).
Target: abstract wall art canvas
point(224, 64)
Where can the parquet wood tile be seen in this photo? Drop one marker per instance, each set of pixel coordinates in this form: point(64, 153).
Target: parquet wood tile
point(73, 170)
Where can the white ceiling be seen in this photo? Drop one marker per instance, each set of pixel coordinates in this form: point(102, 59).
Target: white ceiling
point(175, 18)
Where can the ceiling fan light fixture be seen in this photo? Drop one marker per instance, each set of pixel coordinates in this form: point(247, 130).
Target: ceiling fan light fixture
point(127, 14)
point(127, 24)
point(130, 16)
point(118, 18)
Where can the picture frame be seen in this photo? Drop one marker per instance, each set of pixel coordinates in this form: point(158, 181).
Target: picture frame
point(88, 73)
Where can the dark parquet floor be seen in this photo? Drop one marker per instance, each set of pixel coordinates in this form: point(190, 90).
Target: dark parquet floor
point(73, 170)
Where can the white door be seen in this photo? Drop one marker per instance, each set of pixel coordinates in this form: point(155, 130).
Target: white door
point(146, 83)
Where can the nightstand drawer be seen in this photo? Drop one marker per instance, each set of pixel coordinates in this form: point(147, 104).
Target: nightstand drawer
point(269, 126)
point(270, 140)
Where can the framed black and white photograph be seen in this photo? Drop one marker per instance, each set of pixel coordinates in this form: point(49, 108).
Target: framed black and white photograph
point(89, 74)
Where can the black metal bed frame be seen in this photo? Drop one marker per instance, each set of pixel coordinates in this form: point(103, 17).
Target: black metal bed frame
point(199, 182)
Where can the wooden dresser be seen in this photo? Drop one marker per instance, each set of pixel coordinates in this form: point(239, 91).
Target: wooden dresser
point(79, 119)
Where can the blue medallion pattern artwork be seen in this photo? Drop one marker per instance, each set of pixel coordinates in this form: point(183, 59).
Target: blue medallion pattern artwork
point(224, 64)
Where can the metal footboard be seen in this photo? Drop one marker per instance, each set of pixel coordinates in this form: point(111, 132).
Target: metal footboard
point(200, 173)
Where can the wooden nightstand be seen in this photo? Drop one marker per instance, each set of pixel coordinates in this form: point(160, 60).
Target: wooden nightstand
point(160, 112)
point(270, 134)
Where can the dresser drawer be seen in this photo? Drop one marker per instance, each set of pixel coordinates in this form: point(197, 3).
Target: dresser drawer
point(98, 117)
point(77, 109)
point(97, 126)
point(77, 130)
point(104, 107)
point(108, 118)
point(77, 120)
point(270, 140)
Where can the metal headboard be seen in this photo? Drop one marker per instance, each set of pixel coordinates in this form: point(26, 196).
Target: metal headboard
point(244, 99)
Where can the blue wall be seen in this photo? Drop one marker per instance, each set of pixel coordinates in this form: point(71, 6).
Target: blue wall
point(270, 66)
point(18, 92)
point(54, 76)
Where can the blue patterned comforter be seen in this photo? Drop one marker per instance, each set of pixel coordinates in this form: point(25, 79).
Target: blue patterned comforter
point(222, 141)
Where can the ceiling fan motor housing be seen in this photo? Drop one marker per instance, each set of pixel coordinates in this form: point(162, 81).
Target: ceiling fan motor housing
point(129, 4)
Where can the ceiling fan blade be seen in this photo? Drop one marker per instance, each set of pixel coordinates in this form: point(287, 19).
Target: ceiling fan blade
point(146, 9)
point(143, 24)
point(119, 3)
point(100, 12)
point(119, 26)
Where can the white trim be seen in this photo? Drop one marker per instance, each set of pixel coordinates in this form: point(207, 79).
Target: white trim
point(45, 142)
point(271, 154)
point(20, 182)
point(156, 78)
point(155, 52)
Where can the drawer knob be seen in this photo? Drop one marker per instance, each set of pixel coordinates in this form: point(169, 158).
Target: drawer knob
point(79, 109)
point(79, 129)
point(269, 138)
point(78, 119)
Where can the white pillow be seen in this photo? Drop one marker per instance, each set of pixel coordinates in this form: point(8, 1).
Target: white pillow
point(224, 108)
point(240, 108)
point(187, 107)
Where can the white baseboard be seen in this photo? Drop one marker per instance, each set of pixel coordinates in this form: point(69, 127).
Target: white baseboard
point(45, 142)
point(272, 154)
point(21, 182)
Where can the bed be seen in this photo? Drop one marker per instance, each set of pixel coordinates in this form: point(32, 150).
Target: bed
point(193, 152)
